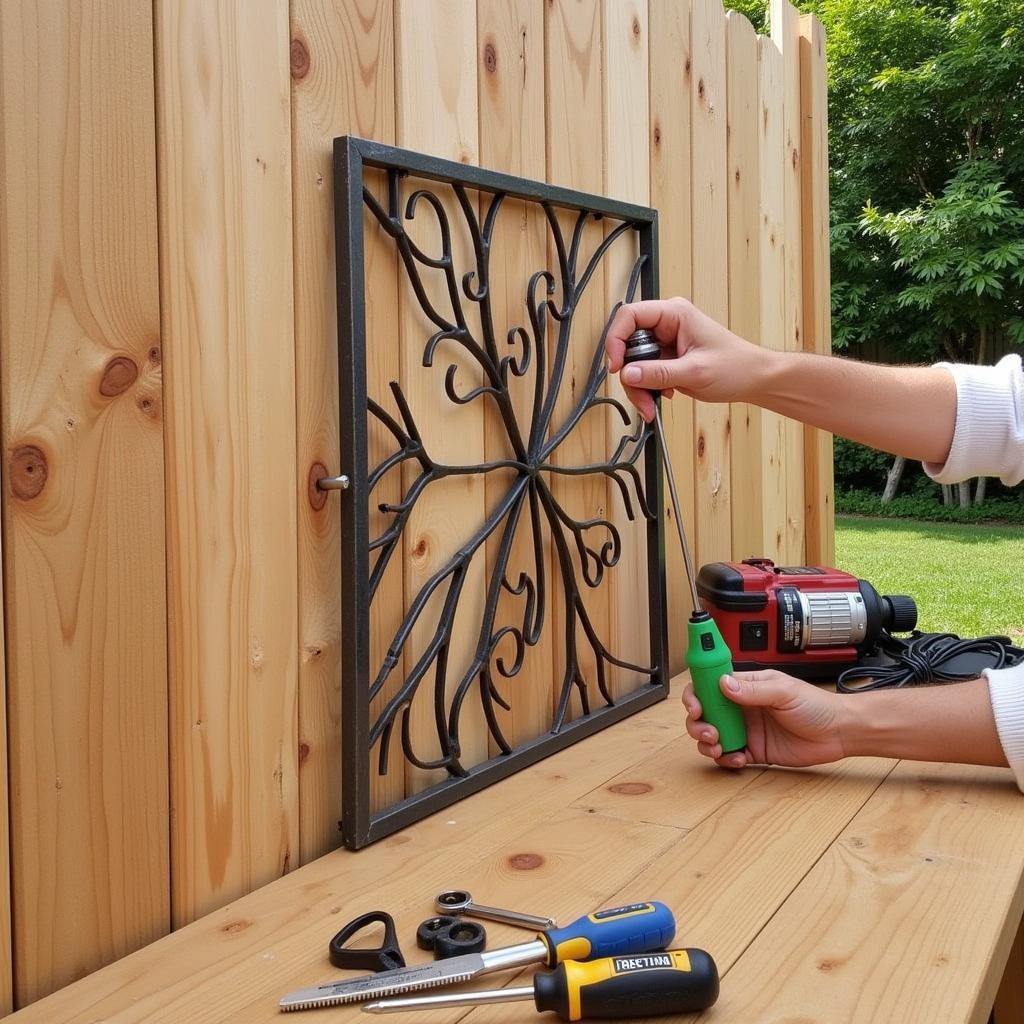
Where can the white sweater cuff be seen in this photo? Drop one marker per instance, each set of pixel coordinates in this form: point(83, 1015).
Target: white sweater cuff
point(1006, 689)
point(989, 436)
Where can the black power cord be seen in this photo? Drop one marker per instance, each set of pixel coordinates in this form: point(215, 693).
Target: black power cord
point(928, 658)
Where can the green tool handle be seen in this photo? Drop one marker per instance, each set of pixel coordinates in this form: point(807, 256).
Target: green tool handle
point(708, 659)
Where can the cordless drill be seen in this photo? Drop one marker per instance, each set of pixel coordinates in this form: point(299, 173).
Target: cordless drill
point(707, 656)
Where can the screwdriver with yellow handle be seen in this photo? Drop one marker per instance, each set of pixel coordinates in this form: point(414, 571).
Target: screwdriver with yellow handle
point(645, 985)
point(707, 656)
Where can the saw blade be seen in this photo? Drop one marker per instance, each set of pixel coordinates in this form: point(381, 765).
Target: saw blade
point(385, 983)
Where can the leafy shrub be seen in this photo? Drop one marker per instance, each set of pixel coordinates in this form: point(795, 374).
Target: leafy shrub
point(923, 506)
point(857, 466)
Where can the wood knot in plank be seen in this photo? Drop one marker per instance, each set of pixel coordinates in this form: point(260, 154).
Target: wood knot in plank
point(118, 376)
point(828, 964)
point(317, 498)
point(29, 471)
point(490, 57)
point(299, 59)
point(657, 134)
point(525, 861)
point(701, 444)
point(154, 355)
point(630, 788)
point(303, 752)
point(234, 927)
point(636, 27)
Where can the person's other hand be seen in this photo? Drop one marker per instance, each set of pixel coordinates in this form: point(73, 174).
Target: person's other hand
point(789, 722)
point(700, 357)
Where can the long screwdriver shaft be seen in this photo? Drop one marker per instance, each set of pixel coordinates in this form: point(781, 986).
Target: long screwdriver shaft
point(659, 429)
point(500, 995)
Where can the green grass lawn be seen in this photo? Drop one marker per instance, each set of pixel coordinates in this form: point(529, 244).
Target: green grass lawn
point(967, 580)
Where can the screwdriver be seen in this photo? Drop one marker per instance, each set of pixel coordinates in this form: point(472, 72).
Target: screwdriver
point(707, 656)
point(618, 932)
point(654, 985)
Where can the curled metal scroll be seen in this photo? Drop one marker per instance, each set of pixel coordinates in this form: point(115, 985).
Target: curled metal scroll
point(584, 549)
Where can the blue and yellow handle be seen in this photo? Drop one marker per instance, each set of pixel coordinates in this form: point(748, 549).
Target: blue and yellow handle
point(637, 928)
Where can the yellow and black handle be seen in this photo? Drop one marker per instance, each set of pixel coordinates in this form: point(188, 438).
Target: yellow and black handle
point(642, 985)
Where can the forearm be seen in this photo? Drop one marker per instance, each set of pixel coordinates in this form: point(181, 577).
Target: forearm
point(936, 723)
point(905, 410)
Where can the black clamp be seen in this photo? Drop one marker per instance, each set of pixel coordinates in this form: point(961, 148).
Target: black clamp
point(385, 957)
point(450, 936)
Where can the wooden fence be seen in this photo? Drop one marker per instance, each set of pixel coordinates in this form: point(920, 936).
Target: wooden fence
point(171, 595)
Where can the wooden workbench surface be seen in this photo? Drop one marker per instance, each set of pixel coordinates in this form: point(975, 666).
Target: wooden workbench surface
point(869, 890)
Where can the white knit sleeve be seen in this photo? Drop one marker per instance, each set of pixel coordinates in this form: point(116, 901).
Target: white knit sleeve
point(989, 435)
point(1006, 689)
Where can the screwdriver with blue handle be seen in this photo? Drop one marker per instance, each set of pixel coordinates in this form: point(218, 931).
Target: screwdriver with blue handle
point(707, 656)
point(619, 932)
point(649, 985)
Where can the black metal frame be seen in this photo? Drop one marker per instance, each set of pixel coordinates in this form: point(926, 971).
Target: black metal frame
point(359, 579)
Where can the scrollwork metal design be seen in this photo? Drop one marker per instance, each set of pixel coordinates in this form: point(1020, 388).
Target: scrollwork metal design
point(584, 549)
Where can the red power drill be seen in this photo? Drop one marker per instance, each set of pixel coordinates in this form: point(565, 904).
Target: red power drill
point(809, 621)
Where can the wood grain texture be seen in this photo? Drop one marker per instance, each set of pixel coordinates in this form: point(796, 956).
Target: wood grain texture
point(83, 499)
point(785, 33)
point(907, 916)
point(710, 262)
point(342, 69)
point(671, 80)
point(6, 950)
point(849, 892)
point(756, 274)
point(226, 282)
point(649, 789)
point(575, 97)
point(819, 486)
point(510, 57)
point(1009, 1004)
point(234, 964)
point(627, 176)
point(438, 113)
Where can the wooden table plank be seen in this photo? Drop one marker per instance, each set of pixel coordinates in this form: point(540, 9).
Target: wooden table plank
point(651, 790)
point(237, 937)
point(849, 892)
point(908, 917)
point(727, 878)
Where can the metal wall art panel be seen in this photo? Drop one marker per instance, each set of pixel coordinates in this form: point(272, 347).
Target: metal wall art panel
point(574, 554)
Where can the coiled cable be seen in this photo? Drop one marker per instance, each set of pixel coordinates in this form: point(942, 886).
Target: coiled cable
point(928, 658)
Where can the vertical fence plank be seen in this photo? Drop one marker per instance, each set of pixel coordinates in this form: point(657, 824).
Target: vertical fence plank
point(710, 262)
point(785, 32)
point(83, 495)
point(744, 177)
point(773, 272)
point(437, 114)
point(226, 277)
point(6, 961)
point(510, 45)
point(627, 176)
point(575, 99)
point(343, 83)
point(670, 83)
point(755, 276)
point(819, 522)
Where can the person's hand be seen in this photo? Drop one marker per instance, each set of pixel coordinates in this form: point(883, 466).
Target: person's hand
point(700, 357)
point(789, 722)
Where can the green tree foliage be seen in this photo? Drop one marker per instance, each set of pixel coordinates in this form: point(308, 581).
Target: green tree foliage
point(926, 136)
